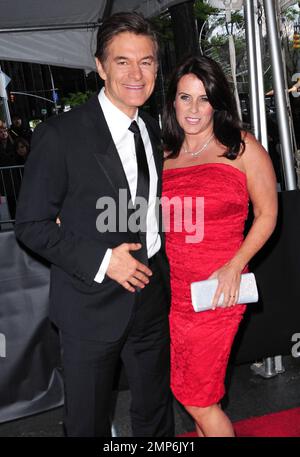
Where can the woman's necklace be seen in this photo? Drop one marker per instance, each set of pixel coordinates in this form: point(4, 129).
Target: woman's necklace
point(196, 153)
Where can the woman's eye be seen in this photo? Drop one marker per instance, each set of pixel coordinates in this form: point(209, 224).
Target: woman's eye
point(185, 98)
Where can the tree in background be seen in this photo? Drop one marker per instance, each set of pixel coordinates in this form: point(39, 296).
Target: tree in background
point(75, 99)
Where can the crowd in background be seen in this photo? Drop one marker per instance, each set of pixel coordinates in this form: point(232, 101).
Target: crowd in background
point(14, 142)
point(14, 150)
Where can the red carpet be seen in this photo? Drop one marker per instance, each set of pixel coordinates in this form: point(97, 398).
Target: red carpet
point(283, 424)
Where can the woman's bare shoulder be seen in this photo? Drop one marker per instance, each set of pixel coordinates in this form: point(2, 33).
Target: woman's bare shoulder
point(253, 147)
point(255, 158)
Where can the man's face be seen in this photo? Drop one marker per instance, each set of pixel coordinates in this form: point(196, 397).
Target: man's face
point(17, 121)
point(3, 132)
point(129, 71)
point(21, 150)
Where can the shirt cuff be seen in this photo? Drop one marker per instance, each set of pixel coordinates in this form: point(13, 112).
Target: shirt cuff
point(103, 267)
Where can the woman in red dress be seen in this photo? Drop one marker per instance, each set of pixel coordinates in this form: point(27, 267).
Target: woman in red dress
point(212, 168)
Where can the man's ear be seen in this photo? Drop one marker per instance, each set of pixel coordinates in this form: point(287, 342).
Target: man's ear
point(100, 69)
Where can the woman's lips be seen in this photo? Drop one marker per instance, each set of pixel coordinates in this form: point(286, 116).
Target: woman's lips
point(192, 120)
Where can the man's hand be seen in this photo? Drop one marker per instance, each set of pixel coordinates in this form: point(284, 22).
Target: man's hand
point(125, 269)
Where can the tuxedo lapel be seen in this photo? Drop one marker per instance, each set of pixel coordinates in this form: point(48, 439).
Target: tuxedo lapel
point(107, 157)
point(157, 158)
point(111, 165)
point(106, 153)
point(155, 143)
point(155, 139)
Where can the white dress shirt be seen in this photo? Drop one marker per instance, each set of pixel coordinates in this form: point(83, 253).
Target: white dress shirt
point(118, 124)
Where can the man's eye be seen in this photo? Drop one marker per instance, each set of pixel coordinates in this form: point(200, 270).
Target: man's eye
point(122, 62)
point(146, 63)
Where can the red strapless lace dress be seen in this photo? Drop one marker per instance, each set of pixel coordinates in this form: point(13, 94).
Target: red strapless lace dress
point(201, 342)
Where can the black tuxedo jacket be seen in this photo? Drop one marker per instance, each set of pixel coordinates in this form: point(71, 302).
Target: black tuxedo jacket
point(73, 162)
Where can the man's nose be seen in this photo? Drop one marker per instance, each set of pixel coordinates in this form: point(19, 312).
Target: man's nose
point(135, 71)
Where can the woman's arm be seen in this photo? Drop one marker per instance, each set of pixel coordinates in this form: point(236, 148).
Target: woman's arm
point(261, 184)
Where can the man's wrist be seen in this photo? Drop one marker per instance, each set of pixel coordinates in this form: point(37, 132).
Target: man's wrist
point(104, 266)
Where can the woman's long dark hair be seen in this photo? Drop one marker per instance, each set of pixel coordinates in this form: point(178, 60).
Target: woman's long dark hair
point(226, 123)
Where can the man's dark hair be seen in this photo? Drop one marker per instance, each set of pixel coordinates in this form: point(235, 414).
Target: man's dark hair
point(226, 122)
point(16, 117)
point(119, 23)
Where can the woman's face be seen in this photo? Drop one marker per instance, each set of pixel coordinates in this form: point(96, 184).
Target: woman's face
point(194, 113)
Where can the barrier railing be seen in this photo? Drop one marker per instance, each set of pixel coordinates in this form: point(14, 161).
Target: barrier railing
point(10, 184)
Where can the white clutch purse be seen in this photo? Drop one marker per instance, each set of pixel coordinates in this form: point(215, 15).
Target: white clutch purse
point(202, 292)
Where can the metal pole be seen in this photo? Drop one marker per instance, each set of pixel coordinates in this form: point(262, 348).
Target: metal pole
point(51, 27)
point(251, 50)
point(53, 90)
point(260, 74)
point(32, 95)
point(280, 95)
point(232, 57)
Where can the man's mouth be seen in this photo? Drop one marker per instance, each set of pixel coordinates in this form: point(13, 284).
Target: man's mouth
point(134, 86)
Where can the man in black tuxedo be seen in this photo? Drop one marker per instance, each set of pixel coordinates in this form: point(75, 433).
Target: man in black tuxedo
point(108, 292)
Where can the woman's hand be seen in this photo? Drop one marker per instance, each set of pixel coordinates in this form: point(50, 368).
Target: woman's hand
point(229, 278)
